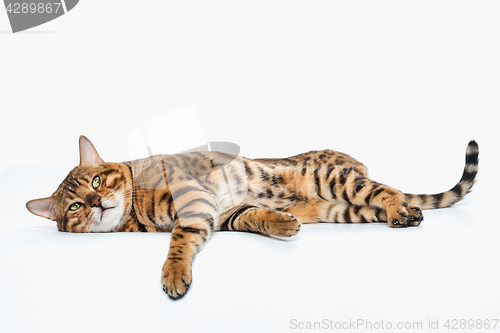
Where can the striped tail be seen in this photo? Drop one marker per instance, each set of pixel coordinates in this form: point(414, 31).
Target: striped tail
point(458, 192)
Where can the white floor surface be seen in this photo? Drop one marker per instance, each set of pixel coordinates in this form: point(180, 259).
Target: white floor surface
point(330, 274)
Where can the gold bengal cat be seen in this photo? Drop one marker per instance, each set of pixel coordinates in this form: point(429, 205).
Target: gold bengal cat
point(195, 194)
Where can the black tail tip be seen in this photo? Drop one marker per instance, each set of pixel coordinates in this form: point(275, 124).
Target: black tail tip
point(473, 145)
point(472, 153)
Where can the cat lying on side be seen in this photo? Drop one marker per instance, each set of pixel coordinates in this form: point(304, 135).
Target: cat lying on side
point(195, 194)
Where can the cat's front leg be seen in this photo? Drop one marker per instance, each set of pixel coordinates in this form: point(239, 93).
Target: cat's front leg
point(195, 217)
point(186, 242)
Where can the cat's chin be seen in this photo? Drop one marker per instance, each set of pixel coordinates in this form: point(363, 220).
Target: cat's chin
point(108, 218)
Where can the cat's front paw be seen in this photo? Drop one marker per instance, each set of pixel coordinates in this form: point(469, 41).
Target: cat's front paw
point(176, 279)
point(284, 225)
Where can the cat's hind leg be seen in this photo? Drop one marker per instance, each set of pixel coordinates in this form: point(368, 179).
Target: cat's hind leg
point(354, 188)
point(263, 221)
point(312, 211)
point(324, 211)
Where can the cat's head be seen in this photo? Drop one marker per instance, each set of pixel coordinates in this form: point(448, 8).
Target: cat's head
point(95, 196)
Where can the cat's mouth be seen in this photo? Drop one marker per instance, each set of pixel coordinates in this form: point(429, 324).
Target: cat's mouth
point(108, 215)
point(105, 210)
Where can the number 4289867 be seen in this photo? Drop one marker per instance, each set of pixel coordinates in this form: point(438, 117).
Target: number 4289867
point(24, 8)
point(455, 324)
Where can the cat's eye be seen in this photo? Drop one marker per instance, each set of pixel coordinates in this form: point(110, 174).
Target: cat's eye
point(96, 182)
point(75, 206)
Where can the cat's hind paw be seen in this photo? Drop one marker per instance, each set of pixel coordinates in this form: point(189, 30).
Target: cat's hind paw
point(398, 216)
point(416, 216)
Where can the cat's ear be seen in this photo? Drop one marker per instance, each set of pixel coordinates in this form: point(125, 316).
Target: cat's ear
point(88, 154)
point(43, 207)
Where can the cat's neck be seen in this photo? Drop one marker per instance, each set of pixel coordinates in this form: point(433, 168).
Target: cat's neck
point(129, 221)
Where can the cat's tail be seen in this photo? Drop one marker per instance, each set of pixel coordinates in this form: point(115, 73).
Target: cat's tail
point(458, 192)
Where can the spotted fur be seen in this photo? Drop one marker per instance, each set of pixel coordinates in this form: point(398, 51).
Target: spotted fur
point(194, 194)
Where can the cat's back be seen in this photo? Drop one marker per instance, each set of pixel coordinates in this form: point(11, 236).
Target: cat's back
point(183, 166)
point(313, 158)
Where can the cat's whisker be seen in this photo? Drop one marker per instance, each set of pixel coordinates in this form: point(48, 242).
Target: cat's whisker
point(132, 187)
point(125, 180)
point(139, 198)
point(117, 186)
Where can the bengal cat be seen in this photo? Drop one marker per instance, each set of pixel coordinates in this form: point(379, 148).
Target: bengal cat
point(195, 194)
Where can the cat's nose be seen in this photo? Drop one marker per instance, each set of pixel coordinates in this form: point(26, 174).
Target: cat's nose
point(96, 202)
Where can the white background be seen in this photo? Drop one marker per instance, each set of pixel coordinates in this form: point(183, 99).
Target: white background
point(400, 85)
